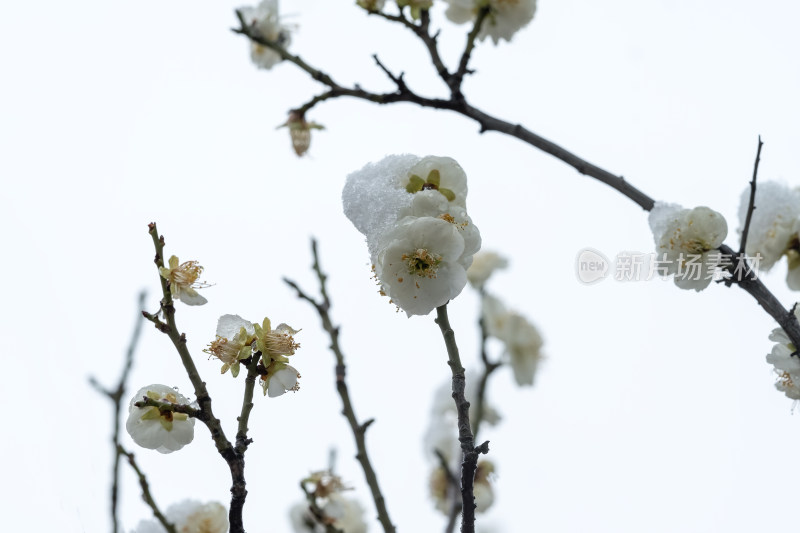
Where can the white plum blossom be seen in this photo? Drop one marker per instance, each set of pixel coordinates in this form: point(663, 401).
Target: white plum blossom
point(773, 225)
point(164, 432)
point(419, 266)
point(687, 242)
point(420, 238)
point(787, 365)
point(264, 18)
point(484, 264)
point(371, 5)
point(190, 516)
point(521, 340)
point(276, 346)
point(505, 17)
point(235, 335)
point(182, 278)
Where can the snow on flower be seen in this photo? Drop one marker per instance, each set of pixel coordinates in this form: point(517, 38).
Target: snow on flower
point(774, 221)
point(164, 432)
point(235, 336)
point(522, 341)
point(687, 241)
point(190, 516)
point(419, 236)
point(505, 17)
point(182, 278)
point(786, 362)
point(265, 20)
point(484, 264)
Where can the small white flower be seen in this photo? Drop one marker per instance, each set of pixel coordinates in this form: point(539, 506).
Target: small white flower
point(521, 339)
point(164, 432)
point(190, 516)
point(418, 264)
point(264, 18)
point(484, 264)
point(182, 278)
point(280, 378)
point(505, 18)
point(687, 241)
point(773, 223)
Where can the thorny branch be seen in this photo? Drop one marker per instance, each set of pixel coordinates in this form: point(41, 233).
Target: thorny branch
point(359, 429)
point(457, 103)
point(116, 396)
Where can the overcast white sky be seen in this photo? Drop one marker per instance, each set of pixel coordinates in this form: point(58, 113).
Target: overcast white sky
point(655, 410)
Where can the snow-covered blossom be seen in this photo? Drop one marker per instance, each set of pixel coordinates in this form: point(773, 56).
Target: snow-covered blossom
point(786, 362)
point(182, 278)
point(300, 132)
point(164, 432)
point(521, 339)
point(420, 238)
point(687, 241)
point(235, 336)
point(265, 20)
point(190, 516)
point(483, 266)
point(772, 225)
point(505, 17)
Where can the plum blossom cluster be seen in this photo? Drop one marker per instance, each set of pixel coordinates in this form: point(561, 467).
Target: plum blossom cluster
point(238, 339)
point(265, 21)
point(785, 359)
point(688, 241)
point(330, 507)
point(774, 229)
point(190, 516)
point(159, 429)
point(504, 19)
point(441, 445)
point(420, 239)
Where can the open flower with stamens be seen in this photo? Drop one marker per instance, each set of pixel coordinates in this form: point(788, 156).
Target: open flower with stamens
point(505, 17)
point(276, 345)
point(182, 278)
point(235, 337)
point(153, 429)
point(418, 264)
point(279, 378)
point(687, 242)
point(265, 20)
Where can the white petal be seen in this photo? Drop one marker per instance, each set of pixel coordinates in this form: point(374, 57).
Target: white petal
point(229, 325)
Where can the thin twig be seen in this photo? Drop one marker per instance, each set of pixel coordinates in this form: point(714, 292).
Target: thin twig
point(752, 205)
point(242, 441)
point(146, 496)
point(116, 396)
point(463, 65)
point(358, 429)
point(234, 460)
point(465, 437)
point(169, 407)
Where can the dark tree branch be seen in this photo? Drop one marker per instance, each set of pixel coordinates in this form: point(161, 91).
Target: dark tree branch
point(146, 495)
point(490, 123)
point(242, 441)
point(168, 407)
point(752, 205)
point(465, 437)
point(359, 430)
point(169, 327)
point(463, 65)
point(116, 396)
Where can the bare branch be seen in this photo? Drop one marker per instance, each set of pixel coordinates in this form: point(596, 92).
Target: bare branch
point(146, 495)
point(752, 205)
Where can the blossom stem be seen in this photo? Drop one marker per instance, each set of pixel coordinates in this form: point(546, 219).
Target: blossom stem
point(116, 396)
point(234, 460)
point(359, 429)
point(165, 407)
point(465, 436)
point(146, 495)
point(242, 441)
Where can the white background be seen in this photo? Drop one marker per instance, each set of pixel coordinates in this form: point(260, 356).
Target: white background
point(654, 411)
